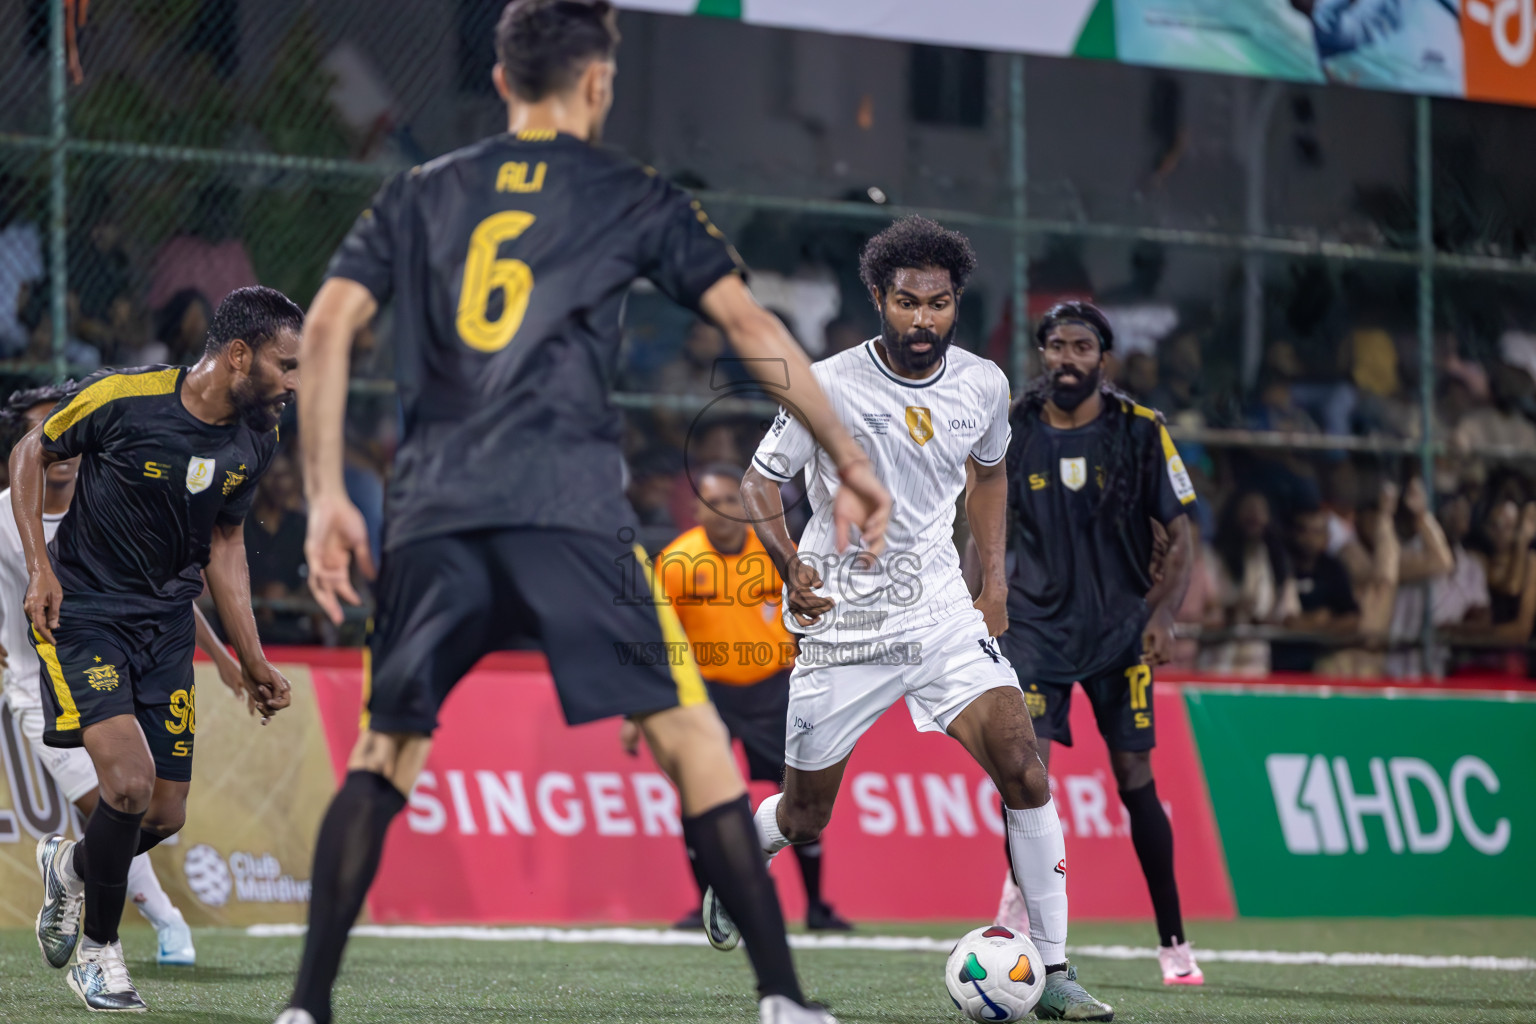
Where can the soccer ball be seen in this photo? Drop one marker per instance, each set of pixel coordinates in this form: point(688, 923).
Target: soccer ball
point(994, 974)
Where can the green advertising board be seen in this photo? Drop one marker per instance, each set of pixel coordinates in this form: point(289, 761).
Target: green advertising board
point(1365, 804)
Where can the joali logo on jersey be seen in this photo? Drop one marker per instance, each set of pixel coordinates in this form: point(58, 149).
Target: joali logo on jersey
point(1074, 473)
point(199, 474)
point(1322, 811)
point(919, 424)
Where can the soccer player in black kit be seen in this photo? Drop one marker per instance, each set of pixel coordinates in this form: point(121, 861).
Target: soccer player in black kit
point(1091, 476)
point(169, 459)
point(508, 263)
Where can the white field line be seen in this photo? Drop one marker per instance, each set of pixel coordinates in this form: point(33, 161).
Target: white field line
point(899, 943)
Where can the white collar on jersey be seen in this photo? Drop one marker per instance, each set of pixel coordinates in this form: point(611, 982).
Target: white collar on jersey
point(869, 346)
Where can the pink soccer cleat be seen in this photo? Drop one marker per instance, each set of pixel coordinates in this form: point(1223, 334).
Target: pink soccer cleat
point(1179, 966)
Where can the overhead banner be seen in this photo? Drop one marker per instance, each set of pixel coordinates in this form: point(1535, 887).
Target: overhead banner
point(1360, 805)
point(1477, 49)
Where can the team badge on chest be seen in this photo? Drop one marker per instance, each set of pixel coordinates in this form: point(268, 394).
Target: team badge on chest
point(1074, 473)
point(199, 474)
point(919, 424)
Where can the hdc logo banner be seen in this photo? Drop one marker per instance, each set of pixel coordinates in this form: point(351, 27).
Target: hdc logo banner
point(1344, 805)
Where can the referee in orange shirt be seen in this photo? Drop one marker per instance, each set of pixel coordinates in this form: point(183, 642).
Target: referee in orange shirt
point(728, 594)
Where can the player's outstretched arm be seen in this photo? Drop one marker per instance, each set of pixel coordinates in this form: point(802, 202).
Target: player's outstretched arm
point(765, 509)
point(229, 669)
point(229, 580)
point(986, 509)
point(29, 463)
point(1167, 593)
point(337, 533)
point(757, 334)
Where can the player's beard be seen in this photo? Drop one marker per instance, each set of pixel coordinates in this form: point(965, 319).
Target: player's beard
point(1068, 396)
point(898, 347)
point(260, 413)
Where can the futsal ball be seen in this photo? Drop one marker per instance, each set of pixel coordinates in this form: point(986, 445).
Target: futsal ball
point(994, 974)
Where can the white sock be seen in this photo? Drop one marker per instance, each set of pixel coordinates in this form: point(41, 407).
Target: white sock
point(145, 893)
point(767, 821)
point(1037, 850)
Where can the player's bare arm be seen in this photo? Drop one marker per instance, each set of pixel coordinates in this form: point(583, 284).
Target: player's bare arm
point(229, 580)
point(757, 334)
point(29, 462)
point(337, 533)
point(765, 509)
point(1167, 593)
point(986, 509)
point(229, 669)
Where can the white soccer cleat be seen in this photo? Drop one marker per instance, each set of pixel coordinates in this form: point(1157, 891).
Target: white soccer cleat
point(718, 926)
point(294, 1015)
point(100, 978)
point(1179, 966)
point(175, 944)
point(1011, 911)
point(784, 1010)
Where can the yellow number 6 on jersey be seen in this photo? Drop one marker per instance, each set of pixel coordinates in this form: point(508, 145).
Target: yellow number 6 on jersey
point(485, 274)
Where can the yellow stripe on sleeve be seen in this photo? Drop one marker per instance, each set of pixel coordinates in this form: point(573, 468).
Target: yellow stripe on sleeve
point(110, 389)
point(69, 717)
point(685, 674)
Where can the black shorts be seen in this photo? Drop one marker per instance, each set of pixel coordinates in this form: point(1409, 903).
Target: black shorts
point(615, 646)
point(1121, 699)
point(100, 670)
point(755, 715)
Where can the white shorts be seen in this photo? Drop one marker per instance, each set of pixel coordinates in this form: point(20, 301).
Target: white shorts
point(70, 767)
point(838, 690)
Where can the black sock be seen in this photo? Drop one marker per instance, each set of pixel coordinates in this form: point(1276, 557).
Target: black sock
point(1153, 838)
point(346, 859)
point(148, 840)
point(698, 879)
point(809, 857)
point(110, 838)
point(723, 842)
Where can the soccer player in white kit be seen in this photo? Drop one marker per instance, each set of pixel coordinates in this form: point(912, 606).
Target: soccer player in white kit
point(934, 420)
point(71, 767)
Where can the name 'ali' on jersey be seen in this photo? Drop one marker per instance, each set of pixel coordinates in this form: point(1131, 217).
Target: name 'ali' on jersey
point(1080, 558)
point(918, 434)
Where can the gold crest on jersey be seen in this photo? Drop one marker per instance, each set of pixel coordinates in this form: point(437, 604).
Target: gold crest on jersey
point(1074, 473)
point(199, 474)
point(919, 424)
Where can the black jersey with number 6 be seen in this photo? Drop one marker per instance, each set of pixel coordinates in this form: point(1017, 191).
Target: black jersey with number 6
point(508, 263)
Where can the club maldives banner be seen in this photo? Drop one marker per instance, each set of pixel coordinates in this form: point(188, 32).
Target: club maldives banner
point(1284, 801)
point(1478, 49)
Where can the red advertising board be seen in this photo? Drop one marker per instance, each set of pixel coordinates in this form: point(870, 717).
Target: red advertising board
point(519, 818)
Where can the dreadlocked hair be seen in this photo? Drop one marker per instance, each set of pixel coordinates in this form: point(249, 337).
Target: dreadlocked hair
point(13, 414)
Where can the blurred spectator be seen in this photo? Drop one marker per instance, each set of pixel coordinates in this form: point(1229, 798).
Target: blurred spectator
point(207, 257)
point(21, 271)
point(694, 372)
point(1140, 318)
point(1510, 567)
point(1201, 606)
point(1138, 376)
point(100, 299)
point(1498, 424)
point(1424, 559)
point(653, 476)
point(1327, 600)
point(180, 329)
point(843, 335)
point(1459, 601)
point(274, 550)
point(1255, 585)
point(1372, 557)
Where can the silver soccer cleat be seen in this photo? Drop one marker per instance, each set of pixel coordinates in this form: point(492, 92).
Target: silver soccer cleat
point(783, 1010)
point(718, 926)
point(100, 978)
point(1065, 999)
point(58, 922)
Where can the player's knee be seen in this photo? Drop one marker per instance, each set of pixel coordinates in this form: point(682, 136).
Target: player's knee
point(1022, 778)
point(1132, 768)
point(803, 822)
point(164, 822)
point(127, 787)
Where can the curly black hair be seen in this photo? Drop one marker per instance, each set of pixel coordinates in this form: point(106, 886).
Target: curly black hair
point(916, 243)
point(13, 414)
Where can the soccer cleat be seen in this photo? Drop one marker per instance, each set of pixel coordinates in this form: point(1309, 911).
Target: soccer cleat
point(175, 944)
point(784, 1010)
point(100, 978)
point(820, 917)
point(1179, 966)
point(1012, 913)
point(58, 922)
point(1065, 999)
point(718, 926)
point(294, 1015)
point(689, 922)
